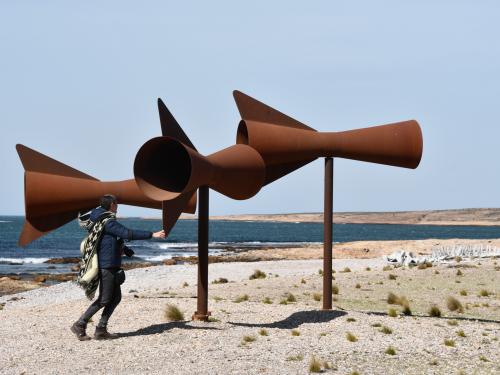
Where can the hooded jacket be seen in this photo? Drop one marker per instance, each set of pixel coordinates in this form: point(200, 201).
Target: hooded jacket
point(109, 250)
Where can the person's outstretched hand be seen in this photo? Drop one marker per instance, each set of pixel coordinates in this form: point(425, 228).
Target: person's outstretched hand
point(160, 234)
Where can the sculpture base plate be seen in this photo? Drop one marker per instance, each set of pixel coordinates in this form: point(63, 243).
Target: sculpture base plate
point(201, 317)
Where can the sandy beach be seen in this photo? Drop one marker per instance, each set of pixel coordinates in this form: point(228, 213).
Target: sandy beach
point(35, 334)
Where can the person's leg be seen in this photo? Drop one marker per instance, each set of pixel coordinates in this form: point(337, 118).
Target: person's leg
point(110, 307)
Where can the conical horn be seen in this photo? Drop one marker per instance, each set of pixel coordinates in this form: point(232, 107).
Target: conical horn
point(55, 193)
point(237, 171)
point(281, 140)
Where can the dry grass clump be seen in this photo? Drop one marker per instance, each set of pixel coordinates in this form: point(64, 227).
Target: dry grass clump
point(461, 333)
point(257, 274)
point(390, 350)
point(454, 304)
point(484, 293)
point(317, 296)
point(392, 313)
point(483, 358)
point(387, 268)
point(350, 337)
point(358, 286)
point(368, 269)
point(242, 298)
point(220, 280)
point(320, 272)
point(248, 338)
point(449, 342)
point(267, 300)
point(386, 330)
point(392, 299)
point(346, 269)
point(392, 276)
point(314, 365)
point(302, 281)
point(452, 323)
point(298, 357)
point(458, 259)
point(283, 302)
point(434, 311)
point(173, 314)
point(290, 297)
point(459, 273)
point(463, 292)
point(376, 325)
point(185, 284)
point(263, 332)
point(350, 320)
point(335, 289)
point(295, 332)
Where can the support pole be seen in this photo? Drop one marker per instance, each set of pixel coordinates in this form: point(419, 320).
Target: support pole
point(202, 304)
point(327, 235)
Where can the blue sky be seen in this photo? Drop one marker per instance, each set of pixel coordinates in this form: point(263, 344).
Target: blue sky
point(79, 82)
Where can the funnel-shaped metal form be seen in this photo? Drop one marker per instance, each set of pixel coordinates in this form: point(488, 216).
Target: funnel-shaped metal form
point(283, 141)
point(237, 171)
point(55, 193)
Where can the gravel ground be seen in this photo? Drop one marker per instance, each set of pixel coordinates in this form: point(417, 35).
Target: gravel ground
point(35, 336)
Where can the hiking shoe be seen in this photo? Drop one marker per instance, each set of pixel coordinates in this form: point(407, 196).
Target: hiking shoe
point(79, 331)
point(101, 333)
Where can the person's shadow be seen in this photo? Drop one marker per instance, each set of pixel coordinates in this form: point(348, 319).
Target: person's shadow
point(298, 318)
point(160, 328)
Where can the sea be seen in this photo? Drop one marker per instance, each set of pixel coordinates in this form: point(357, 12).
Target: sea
point(224, 236)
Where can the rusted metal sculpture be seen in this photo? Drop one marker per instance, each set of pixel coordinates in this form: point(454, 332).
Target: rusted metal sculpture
point(287, 144)
point(54, 194)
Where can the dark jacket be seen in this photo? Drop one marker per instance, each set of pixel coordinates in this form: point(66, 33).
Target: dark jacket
point(109, 250)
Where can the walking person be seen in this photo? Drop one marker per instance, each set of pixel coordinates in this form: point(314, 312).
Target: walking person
point(110, 249)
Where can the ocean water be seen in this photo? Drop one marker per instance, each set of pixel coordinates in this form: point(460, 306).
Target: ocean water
point(224, 236)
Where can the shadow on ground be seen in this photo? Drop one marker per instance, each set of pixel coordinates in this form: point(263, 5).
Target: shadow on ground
point(162, 327)
point(297, 318)
point(464, 318)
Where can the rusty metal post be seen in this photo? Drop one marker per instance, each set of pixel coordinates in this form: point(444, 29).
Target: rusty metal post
point(327, 235)
point(202, 305)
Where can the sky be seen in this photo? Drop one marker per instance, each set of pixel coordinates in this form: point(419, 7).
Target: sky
point(79, 83)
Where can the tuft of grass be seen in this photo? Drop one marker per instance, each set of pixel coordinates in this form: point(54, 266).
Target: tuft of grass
point(213, 319)
point(295, 332)
point(185, 284)
point(387, 268)
point(298, 357)
point(403, 302)
point(248, 338)
point(317, 296)
point(335, 289)
point(327, 365)
point(458, 259)
point(434, 311)
point(350, 320)
point(392, 299)
point(217, 298)
point(459, 273)
point(320, 272)
point(376, 325)
point(392, 313)
point(173, 314)
point(452, 323)
point(434, 362)
point(263, 332)
point(449, 342)
point(314, 365)
point(368, 269)
point(454, 304)
point(392, 276)
point(242, 298)
point(283, 302)
point(386, 330)
point(436, 272)
point(350, 337)
point(483, 358)
point(461, 333)
point(390, 350)
point(220, 280)
point(267, 300)
point(302, 281)
point(484, 293)
point(463, 292)
point(257, 274)
point(346, 269)
point(422, 266)
point(290, 298)
point(358, 286)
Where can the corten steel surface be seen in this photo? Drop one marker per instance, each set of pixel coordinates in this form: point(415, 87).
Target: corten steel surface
point(202, 312)
point(327, 235)
point(55, 193)
point(286, 143)
point(237, 171)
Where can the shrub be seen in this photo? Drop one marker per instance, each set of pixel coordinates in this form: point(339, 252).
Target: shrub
point(392, 276)
point(368, 269)
point(350, 337)
point(463, 292)
point(335, 289)
point(461, 333)
point(263, 332)
point(267, 300)
point(283, 302)
point(185, 284)
point(291, 298)
point(358, 286)
point(314, 365)
point(249, 339)
point(220, 280)
point(317, 296)
point(242, 298)
point(172, 313)
point(403, 302)
point(458, 259)
point(454, 304)
point(392, 313)
point(386, 330)
point(390, 350)
point(295, 332)
point(392, 299)
point(346, 269)
point(434, 311)
point(449, 342)
point(459, 273)
point(302, 281)
point(257, 274)
point(484, 293)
